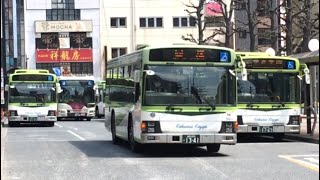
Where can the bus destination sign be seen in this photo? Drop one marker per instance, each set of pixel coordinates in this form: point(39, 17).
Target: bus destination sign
point(189, 55)
point(270, 64)
point(33, 77)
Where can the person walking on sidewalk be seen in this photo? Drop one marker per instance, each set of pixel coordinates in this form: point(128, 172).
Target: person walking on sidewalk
point(3, 116)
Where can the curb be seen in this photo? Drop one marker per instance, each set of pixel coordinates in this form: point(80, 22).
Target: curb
point(303, 139)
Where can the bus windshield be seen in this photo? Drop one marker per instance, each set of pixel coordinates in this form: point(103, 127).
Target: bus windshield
point(76, 91)
point(266, 87)
point(32, 93)
point(189, 85)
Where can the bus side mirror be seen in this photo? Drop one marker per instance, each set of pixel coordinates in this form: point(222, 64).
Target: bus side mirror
point(59, 89)
point(136, 77)
point(307, 75)
point(6, 88)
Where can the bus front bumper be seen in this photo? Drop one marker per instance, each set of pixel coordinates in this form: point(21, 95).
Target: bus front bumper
point(32, 119)
point(266, 129)
point(226, 138)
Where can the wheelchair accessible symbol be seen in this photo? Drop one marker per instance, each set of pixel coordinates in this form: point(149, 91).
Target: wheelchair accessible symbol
point(224, 57)
point(290, 65)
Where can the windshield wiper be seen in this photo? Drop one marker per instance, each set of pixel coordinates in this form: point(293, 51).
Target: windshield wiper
point(195, 93)
point(170, 107)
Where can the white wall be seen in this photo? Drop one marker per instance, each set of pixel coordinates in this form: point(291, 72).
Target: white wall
point(133, 35)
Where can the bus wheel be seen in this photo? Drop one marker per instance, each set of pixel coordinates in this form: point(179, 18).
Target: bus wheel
point(89, 119)
point(213, 147)
point(134, 146)
point(115, 139)
point(278, 136)
point(97, 113)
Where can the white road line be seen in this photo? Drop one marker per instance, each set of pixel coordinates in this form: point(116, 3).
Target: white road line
point(75, 129)
point(58, 125)
point(78, 136)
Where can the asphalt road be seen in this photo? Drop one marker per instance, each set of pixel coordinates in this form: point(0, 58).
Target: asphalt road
point(82, 150)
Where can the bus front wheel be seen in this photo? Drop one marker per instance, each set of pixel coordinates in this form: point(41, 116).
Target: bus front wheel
point(134, 146)
point(115, 139)
point(213, 147)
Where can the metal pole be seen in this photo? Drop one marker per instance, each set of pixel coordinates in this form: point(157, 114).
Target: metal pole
point(307, 109)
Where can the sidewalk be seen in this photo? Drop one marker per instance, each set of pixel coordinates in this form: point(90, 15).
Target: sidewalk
point(303, 136)
point(3, 142)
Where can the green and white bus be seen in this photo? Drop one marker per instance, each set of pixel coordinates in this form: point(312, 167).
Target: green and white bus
point(32, 96)
point(177, 94)
point(269, 102)
point(76, 101)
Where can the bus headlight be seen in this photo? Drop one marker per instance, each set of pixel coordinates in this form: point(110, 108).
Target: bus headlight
point(294, 120)
point(150, 127)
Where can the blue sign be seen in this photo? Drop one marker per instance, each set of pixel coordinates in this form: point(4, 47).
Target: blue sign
point(50, 78)
point(224, 56)
point(291, 65)
point(57, 71)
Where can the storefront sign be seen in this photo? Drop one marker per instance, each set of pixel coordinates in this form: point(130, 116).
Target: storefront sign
point(63, 55)
point(63, 26)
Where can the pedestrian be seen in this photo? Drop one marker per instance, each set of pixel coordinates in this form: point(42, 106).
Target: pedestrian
point(3, 116)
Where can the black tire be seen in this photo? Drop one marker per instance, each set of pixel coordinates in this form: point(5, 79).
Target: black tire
point(89, 119)
point(97, 113)
point(134, 146)
point(115, 139)
point(278, 136)
point(213, 147)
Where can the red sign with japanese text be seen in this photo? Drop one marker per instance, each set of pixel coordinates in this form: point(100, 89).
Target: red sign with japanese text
point(63, 55)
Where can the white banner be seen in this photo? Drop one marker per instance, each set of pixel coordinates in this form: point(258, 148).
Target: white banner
point(63, 26)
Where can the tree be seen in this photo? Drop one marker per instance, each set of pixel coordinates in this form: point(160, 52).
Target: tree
point(300, 25)
point(226, 25)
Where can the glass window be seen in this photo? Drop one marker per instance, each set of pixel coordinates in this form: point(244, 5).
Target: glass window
point(151, 22)
point(159, 22)
point(122, 21)
point(113, 22)
point(176, 22)
point(142, 22)
point(184, 22)
point(192, 21)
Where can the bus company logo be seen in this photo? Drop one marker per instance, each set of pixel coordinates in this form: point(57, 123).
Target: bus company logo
point(197, 126)
point(266, 119)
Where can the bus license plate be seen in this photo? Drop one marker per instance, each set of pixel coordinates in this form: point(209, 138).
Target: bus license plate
point(266, 129)
point(32, 118)
point(191, 139)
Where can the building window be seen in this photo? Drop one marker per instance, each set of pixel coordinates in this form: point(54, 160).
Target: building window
point(62, 10)
point(214, 21)
point(151, 22)
point(263, 7)
point(116, 52)
point(118, 22)
point(62, 14)
point(243, 34)
point(264, 36)
point(184, 22)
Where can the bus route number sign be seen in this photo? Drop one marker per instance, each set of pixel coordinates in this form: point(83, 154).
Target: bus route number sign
point(191, 139)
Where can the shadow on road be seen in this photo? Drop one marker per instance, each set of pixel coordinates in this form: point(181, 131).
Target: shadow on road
point(259, 139)
point(108, 150)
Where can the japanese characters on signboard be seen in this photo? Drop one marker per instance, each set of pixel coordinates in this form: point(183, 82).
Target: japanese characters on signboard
point(63, 55)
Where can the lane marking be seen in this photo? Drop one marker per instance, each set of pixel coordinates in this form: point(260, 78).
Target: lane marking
point(305, 164)
point(75, 129)
point(58, 125)
point(78, 136)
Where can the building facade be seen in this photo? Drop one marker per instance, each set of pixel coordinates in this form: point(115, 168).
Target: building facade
point(132, 23)
point(63, 34)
